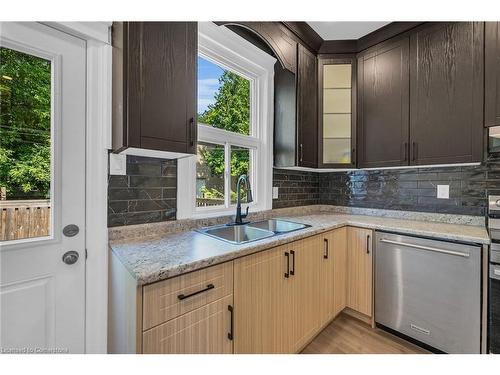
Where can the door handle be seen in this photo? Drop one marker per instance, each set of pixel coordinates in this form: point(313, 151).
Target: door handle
point(292, 272)
point(230, 335)
point(427, 248)
point(327, 248)
point(70, 257)
point(191, 131)
point(184, 296)
point(301, 147)
point(368, 244)
point(287, 273)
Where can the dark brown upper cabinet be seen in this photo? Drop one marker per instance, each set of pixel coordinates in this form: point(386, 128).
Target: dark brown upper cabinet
point(446, 93)
point(337, 111)
point(383, 104)
point(492, 74)
point(296, 112)
point(155, 86)
point(307, 108)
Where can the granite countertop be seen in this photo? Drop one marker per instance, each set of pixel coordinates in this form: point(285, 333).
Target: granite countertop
point(154, 259)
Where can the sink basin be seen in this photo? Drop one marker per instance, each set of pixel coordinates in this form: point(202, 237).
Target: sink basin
point(237, 234)
point(278, 226)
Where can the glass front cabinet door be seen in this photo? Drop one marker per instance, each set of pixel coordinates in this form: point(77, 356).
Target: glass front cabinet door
point(337, 112)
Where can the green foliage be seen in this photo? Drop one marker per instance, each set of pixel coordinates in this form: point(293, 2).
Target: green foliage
point(231, 111)
point(210, 193)
point(25, 99)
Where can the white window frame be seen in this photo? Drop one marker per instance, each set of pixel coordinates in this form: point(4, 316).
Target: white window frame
point(227, 49)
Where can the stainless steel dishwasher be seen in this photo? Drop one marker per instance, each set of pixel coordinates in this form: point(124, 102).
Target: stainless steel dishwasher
point(429, 290)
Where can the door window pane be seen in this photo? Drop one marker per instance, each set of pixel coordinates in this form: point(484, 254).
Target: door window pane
point(240, 165)
point(223, 98)
point(210, 167)
point(25, 145)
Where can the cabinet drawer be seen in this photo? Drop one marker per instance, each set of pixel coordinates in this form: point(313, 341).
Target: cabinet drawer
point(171, 298)
point(202, 331)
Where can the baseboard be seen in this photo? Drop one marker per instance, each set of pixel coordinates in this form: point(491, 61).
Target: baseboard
point(360, 316)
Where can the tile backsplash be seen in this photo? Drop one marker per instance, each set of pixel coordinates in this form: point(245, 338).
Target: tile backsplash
point(414, 189)
point(147, 193)
point(296, 188)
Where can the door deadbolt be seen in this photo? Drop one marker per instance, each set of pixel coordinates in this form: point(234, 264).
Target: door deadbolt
point(70, 257)
point(71, 230)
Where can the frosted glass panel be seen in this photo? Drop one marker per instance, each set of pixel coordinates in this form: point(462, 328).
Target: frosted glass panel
point(337, 125)
point(337, 101)
point(337, 76)
point(337, 150)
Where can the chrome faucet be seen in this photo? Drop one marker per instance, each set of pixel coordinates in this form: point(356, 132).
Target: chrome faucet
point(238, 219)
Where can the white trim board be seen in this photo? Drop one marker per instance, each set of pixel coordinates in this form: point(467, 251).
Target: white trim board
point(226, 48)
point(98, 140)
point(97, 31)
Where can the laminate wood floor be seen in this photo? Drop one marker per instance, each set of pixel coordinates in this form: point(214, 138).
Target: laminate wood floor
point(348, 335)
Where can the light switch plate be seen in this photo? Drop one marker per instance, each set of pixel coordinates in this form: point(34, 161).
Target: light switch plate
point(443, 191)
point(275, 192)
point(117, 164)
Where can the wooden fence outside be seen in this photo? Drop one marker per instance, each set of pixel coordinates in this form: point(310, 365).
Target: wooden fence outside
point(208, 202)
point(24, 219)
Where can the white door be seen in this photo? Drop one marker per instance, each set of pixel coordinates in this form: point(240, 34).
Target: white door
point(42, 295)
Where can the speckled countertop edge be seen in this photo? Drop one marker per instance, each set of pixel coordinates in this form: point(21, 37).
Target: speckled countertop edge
point(157, 258)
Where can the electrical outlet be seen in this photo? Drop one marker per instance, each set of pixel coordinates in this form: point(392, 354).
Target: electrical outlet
point(443, 191)
point(117, 164)
point(275, 192)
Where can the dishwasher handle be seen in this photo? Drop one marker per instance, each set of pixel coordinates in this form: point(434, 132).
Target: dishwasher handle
point(427, 248)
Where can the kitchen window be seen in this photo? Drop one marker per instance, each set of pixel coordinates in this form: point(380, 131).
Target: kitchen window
point(235, 111)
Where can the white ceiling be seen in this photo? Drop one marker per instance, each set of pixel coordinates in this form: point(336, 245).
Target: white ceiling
point(345, 30)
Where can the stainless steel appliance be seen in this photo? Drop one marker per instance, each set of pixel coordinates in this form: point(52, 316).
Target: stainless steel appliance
point(429, 290)
point(494, 273)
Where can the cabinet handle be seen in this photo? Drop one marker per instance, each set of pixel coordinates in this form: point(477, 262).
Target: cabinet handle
point(368, 244)
point(406, 151)
point(191, 131)
point(414, 147)
point(292, 272)
point(353, 156)
point(287, 273)
point(327, 248)
point(184, 296)
point(301, 152)
point(230, 335)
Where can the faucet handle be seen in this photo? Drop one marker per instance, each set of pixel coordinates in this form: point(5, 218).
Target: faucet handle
point(245, 214)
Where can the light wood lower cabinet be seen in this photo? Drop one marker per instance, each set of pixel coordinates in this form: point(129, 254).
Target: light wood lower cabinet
point(305, 287)
point(333, 277)
point(359, 270)
point(262, 314)
point(340, 270)
point(274, 301)
point(278, 294)
point(202, 331)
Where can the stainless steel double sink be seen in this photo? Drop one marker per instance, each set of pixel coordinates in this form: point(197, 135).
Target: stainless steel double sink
point(239, 234)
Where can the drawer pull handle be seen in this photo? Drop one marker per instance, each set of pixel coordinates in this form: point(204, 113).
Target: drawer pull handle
point(427, 248)
point(327, 248)
point(287, 273)
point(292, 272)
point(230, 334)
point(184, 296)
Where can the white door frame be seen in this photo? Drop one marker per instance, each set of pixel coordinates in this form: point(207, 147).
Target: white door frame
point(98, 141)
